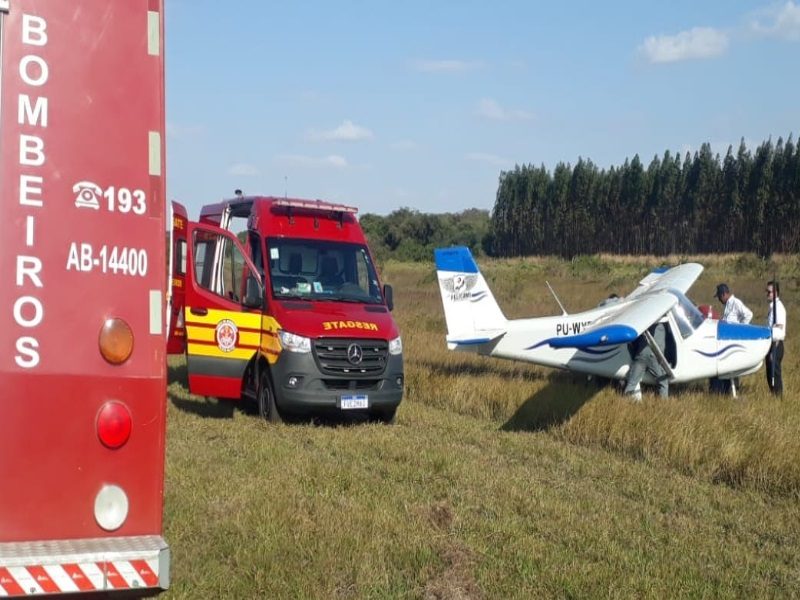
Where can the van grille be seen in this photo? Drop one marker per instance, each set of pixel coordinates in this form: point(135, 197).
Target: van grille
point(353, 385)
point(331, 357)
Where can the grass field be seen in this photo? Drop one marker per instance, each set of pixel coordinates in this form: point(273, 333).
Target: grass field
point(500, 479)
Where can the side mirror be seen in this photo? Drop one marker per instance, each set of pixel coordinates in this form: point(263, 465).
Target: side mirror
point(254, 294)
point(388, 294)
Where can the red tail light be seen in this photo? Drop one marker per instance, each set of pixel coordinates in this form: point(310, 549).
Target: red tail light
point(114, 424)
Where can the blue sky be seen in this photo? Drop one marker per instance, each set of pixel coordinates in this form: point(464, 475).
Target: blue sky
point(419, 104)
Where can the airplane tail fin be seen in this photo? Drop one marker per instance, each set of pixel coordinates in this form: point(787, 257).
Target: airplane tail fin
point(472, 314)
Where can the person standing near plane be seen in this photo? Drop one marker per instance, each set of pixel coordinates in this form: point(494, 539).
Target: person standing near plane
point(733, 311)
point(644, 360)
point(776, 321)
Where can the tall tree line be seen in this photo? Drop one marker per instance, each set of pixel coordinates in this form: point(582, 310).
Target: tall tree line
point(744, 202)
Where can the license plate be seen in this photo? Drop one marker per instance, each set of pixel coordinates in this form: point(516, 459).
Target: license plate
point(357, 401)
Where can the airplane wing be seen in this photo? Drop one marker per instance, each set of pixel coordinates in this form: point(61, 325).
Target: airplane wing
point(622, 326)
point(641, 308)
point(681, 278)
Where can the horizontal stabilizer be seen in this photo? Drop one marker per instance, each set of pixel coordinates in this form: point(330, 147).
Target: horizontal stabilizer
point(608, 335)
point(484, 338)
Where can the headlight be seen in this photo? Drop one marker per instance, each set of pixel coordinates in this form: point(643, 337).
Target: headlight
point(396, 345)
point(293, 342)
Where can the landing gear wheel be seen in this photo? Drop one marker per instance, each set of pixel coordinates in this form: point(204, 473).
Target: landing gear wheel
point(267, 407)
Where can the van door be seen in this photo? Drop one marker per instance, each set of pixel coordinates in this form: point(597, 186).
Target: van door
point(224, 303)
point(176, 331)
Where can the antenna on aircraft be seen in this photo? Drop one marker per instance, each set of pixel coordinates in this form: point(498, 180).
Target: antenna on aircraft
point(285, 187)
point(238, 193)
point(552, 291)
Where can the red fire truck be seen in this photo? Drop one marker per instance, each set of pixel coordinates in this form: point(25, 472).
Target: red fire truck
point(283, 306)
point(82, 296)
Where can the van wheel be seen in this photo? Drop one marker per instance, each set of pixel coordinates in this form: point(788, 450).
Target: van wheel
point(267, 407)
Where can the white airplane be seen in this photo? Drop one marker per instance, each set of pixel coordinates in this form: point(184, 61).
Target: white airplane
point(596, 341)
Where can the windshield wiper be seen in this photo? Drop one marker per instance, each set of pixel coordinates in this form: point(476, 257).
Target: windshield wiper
point(292, 297)
point(343, 298)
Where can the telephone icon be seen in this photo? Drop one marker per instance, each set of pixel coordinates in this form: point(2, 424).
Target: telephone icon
point(88, 194)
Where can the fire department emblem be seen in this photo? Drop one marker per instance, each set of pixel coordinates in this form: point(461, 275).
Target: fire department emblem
point(226, 334)
point(459, 286)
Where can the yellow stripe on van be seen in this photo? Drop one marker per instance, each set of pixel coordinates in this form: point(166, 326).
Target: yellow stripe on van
point(202, 328)
point(246, 320)
point(200, 334)
point(248, 338)
point(270, 345)
point(268, 323)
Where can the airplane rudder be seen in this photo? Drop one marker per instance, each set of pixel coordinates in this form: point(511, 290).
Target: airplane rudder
point(456, 259)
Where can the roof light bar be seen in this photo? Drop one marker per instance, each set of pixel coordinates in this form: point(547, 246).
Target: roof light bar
point(314, 205)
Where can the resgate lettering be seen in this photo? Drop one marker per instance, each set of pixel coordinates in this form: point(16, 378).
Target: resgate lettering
point(333, 325)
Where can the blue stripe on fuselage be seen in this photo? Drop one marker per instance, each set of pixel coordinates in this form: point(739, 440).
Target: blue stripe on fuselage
point(605, 336)
point(740, 331)
point(457, 260)
point(721, 351)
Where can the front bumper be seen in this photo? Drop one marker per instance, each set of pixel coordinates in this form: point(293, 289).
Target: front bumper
point(300, 387)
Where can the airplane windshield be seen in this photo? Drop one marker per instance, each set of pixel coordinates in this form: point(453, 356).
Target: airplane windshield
point(322, 270)
point(686, 314)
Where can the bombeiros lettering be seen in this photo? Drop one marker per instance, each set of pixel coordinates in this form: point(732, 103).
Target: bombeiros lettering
point(32, 114)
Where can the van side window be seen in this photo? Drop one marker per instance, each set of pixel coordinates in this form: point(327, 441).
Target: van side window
point(220, 267)
point(179, 266)
point(256, 253)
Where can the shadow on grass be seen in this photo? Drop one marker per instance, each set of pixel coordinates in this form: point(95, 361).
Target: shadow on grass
point(553, 405)
point(495, 367)
point(220, 408)
point(178, 374)
point(203, 407)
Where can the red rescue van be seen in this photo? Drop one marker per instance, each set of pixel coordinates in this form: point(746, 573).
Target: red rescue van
point(284, 307)
point(82, 296)
point(176, 241)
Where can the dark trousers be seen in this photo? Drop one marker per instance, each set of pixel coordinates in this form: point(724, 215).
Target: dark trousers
point(722, 386)
point(774, 378)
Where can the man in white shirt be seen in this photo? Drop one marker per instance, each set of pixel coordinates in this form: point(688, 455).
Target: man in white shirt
point(733, 311)
point(776, 321)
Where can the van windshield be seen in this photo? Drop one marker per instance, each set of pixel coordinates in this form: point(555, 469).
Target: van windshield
point(322, 270)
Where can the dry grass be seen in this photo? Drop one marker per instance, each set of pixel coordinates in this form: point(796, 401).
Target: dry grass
point(751, 442)
point(500, 479)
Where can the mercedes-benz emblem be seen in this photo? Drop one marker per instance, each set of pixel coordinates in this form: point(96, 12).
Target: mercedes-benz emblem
point(354, 354)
